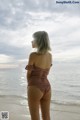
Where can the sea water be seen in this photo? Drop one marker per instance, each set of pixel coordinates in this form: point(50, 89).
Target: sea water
point(63, 77)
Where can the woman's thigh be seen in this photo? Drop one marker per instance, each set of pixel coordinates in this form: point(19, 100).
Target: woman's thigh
point(34, 96)
point(45, 105)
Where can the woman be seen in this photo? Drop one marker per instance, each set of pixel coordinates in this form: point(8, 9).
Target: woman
point(39, 88)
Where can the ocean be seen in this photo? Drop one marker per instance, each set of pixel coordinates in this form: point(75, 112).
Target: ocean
point(63, 77)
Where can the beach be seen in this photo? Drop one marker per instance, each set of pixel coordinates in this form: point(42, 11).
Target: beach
point(18, 109)
point(66, 112)
point(65, 99)
point(29, 27)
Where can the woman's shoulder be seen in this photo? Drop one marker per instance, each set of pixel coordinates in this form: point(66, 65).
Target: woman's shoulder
point(32, 53)
point(35, 54)
point(50, 53)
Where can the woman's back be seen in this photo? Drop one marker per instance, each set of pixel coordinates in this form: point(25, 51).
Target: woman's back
point(43, 61)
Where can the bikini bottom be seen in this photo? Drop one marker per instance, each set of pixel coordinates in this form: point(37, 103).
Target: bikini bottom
point(43, 88)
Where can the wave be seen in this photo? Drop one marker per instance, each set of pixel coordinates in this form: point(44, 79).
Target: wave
point(23, 97)
point(65, 102)
point(13, 96)
point(70, 85)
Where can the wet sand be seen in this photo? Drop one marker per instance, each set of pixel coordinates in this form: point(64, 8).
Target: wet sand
point(18, 110)
point(66, 112)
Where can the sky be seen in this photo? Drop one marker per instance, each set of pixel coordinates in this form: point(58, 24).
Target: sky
point(19, 19)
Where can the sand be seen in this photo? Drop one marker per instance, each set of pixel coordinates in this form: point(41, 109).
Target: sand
point(19, 111)
point(66, 112)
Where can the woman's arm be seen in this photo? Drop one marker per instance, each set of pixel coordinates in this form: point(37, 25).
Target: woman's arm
point(29, 67)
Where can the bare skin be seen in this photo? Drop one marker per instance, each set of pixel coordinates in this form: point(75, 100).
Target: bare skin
point(35, 95)
point(35, 99)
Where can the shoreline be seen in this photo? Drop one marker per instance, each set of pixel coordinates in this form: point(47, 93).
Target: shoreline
point(18, 109)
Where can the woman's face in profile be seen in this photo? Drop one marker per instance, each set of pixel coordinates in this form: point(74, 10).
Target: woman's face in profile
point(34, 44)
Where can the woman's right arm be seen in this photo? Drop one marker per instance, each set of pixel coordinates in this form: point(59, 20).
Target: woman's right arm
point(29, 66)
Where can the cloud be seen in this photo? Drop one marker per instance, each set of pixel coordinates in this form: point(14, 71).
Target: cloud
point(68, 55)
point(13, 15)
point(13, 51)
point(20, 19)
point(6, 59)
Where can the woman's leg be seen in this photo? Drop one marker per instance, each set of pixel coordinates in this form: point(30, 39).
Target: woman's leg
point(45, 105)
point(34, 96)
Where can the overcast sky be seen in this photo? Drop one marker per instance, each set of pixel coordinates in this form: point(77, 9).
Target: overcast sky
point(19, 19)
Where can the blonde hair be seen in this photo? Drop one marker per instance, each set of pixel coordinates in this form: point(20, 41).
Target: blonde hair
point(42, 40)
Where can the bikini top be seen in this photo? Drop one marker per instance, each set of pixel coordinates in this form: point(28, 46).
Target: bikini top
point(37, 71)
